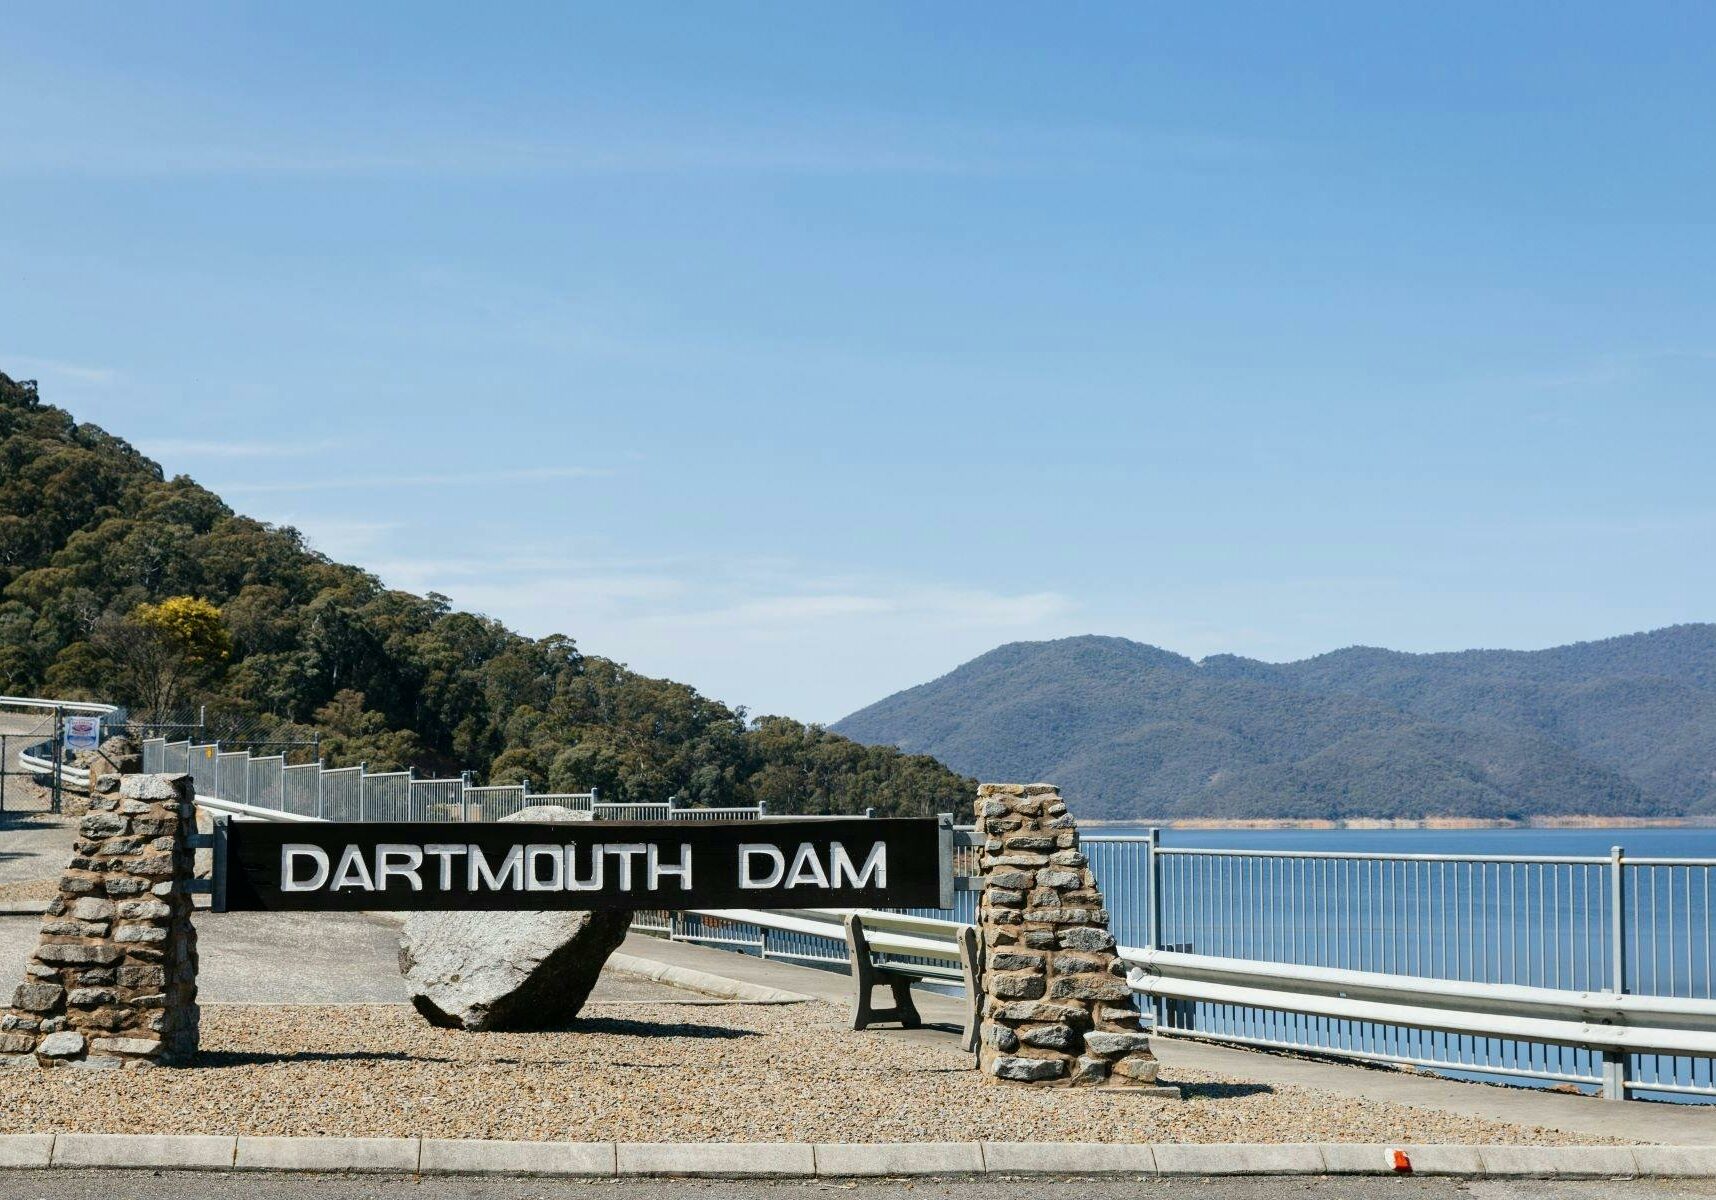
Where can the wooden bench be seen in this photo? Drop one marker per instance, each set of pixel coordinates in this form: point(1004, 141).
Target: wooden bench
point(898, 977)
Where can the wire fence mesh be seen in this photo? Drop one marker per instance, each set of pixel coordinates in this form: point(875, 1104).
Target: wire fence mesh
point(357, 794)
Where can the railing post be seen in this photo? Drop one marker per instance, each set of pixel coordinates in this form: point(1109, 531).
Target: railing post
point(363, 772)
point(1153, 927)
point(1153, 867)
point(762, 808)
point(464, 801)
point(321, 769)
point(1615, 1060)
point(58, 743)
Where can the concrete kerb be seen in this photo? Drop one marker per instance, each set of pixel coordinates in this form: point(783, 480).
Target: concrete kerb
point(787, 1160)
point(449, 1156)
point(397, 1155)
point(1069, 1158)
point(25, 1150)
point(185, 1152)
point(725, 1160)
point(861, 1159)
point(1191, 1158)
point(703, 982)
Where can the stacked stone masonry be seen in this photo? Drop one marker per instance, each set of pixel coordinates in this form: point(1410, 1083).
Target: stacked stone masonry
point(1057, 1009)
point(113, 982)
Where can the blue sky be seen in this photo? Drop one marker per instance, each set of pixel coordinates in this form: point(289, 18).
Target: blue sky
point(804, 351)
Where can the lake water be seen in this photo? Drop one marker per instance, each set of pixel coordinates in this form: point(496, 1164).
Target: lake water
point(1643, 843)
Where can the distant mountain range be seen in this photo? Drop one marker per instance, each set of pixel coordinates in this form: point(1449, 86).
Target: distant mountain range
point(1622, 727)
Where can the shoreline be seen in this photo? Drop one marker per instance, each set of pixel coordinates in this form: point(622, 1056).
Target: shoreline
point(1271, 823)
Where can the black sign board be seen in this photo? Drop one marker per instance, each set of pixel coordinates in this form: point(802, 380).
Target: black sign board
point(337, 866)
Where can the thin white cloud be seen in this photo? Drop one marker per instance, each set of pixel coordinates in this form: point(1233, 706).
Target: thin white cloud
point(358, 480)
point(742, 637)
point(194, 448)
point(340, 538)
point(969, 608)
point(24, 366)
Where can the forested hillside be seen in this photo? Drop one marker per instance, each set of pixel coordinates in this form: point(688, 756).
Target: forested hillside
point(117, 584)
point(1623, 727)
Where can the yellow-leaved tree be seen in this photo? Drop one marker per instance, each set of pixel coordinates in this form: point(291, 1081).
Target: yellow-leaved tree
point(157, 650)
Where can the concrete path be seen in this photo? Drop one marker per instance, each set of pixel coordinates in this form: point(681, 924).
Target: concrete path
point(17, 792)
point(34, 845)
point(191, 1185)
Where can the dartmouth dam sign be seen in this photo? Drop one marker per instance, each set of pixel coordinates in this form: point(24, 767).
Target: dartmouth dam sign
point(331, 866)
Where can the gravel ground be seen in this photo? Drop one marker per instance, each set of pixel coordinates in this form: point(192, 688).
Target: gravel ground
point(633, 1071)
point(30, 889)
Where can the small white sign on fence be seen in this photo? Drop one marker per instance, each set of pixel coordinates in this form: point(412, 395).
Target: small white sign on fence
point(82, 732)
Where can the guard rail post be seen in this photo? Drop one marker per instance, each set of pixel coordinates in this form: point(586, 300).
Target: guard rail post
point(1153, 928)
point(1614, 1059)
point(59, 752)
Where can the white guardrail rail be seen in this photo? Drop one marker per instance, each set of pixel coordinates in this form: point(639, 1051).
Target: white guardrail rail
point(1604, 1020)
point(31, 759)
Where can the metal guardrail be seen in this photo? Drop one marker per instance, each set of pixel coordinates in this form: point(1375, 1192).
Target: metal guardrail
point(46, 758)
point(1512, 967)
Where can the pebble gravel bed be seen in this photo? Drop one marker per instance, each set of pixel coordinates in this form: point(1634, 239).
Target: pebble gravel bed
point(644, 1071)
point(29, 889)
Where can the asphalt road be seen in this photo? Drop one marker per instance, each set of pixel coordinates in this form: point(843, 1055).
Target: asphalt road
point(182, 1185)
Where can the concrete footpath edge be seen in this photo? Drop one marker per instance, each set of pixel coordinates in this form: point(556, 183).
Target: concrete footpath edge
point(803, 1160)
point(702, 982)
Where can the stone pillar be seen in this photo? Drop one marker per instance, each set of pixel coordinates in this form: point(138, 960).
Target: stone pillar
point(1057, 1009)
point(113, 982)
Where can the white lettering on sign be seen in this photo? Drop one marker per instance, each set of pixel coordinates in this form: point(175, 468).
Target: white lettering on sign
point(556, 859)
point(386, 868)
point(806, 868)
point(657, 870)
point(748, 852)
point(594, 882)
point(874, 872)
point(512, 868)
point(446, 854)
point(353, 872)
point(552, 867)
point(290, 853)
point(625, 853)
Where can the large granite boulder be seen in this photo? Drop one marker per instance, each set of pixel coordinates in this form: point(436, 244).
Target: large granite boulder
point(508, 970)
